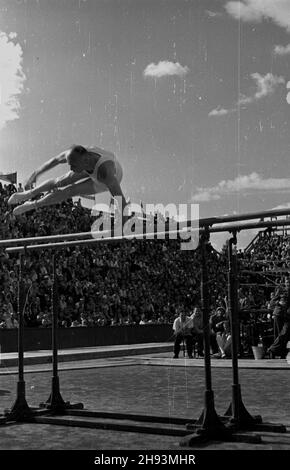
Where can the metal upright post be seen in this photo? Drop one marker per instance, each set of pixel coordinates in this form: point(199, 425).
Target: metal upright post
point(55, 401)
point(20, 409)
point(209, 426)
point(241, 418)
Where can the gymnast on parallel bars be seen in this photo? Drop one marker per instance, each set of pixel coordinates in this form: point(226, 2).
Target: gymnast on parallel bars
point(93, 171)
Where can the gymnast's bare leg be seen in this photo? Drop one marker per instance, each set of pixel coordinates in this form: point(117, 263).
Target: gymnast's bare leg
point(47, 186)
point(57, 196)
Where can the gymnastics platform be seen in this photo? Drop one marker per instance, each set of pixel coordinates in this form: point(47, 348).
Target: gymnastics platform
point(150, 354)
point(79, 354)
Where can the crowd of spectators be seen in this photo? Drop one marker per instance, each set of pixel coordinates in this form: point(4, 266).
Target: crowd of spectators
point(134, 282)
point(265, 267)
point(105, 285)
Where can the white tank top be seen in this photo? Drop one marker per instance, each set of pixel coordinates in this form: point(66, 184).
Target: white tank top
point(105, 156)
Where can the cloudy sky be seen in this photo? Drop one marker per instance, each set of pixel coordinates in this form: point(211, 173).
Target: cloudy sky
point(193, 96)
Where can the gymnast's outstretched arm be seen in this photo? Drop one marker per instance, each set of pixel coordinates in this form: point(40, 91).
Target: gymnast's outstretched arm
point(58, 159)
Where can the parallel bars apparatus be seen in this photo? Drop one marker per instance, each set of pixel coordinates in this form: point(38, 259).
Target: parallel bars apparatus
point(210, 425)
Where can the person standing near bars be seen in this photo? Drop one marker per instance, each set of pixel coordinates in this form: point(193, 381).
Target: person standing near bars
point(182, 328)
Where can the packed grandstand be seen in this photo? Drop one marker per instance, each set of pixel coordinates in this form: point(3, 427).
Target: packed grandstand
point(136, 282)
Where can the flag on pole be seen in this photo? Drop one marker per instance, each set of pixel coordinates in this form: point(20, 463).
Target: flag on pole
point(9, 177)
point(143, 212)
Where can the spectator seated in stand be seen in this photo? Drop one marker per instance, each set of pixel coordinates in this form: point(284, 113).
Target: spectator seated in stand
point(223, 336)
point(216, 323)
point(143, 319)
point(279, 346)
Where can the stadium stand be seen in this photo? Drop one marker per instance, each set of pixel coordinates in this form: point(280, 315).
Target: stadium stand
point(136, 282)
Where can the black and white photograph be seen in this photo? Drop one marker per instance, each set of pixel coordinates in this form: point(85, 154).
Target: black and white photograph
point(144, 231)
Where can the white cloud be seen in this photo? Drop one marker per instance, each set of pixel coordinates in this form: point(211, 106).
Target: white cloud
point(205, 195)
point(282, 50)
point(11, 78)
point(266, 85)
point(256, 10)
point(212, 14)
point(244, 184)
point(288, 94)
point(245, 99)
point(219, 111)
point(12, 35)
point(165, 68)
point(246, 10)
point(286, 205)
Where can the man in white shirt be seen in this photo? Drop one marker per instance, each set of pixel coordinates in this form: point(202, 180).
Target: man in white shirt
point(182, 328)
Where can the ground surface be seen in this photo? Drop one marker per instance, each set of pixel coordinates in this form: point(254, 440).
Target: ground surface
point(163, 386)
